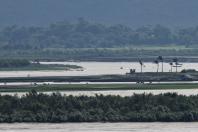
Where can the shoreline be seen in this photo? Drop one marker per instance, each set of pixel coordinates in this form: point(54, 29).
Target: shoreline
point(182, 59)
point(132, 77)
point(97, 87)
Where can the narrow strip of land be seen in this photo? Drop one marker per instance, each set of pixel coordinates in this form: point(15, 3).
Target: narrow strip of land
point(96, 87)
point(131, 77)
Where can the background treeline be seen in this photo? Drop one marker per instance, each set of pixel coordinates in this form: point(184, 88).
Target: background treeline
point(7, 63)
point(102, 54)
point(138, 108)
point(88, 35)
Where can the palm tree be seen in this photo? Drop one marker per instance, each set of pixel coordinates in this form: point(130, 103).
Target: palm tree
point(141, 64)
point(160, 58)
point(171, 64)
point(157, 63)
point(176, 61)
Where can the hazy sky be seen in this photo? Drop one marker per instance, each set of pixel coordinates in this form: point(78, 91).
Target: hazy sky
point(129, 12)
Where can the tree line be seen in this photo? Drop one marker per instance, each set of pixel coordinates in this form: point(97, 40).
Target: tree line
point(84, 34)
point(9, 63)
point(36, 107)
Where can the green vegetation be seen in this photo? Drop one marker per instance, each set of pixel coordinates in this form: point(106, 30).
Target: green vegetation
point(22, 65)
point(36, 107)
point(10, 63)
point(84, 34)
point(96, 87)
point(87, 41)
point(102, 54)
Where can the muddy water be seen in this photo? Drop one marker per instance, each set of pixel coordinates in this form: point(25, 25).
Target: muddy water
point(100, 127)
point(96, 68)
point(122, 93)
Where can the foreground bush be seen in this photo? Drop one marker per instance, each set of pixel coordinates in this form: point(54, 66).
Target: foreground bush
point(138, 108)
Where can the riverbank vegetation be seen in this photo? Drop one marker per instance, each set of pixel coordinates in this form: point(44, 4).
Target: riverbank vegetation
point(129, 77)
point(23, 65)
point(102, 54)
point(35, 107)
point(11, 63)
point(45, 87)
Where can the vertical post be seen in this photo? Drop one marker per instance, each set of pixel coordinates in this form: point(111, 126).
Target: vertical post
point(171, 68)
point(161, 59)
point(157, 67)
point(176, 68)
point(171, 64)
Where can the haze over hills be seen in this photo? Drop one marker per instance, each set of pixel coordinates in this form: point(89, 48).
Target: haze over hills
point(135, 13)
point(110, 28)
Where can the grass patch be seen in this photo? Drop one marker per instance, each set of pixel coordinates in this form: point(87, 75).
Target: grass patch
point(97, 87)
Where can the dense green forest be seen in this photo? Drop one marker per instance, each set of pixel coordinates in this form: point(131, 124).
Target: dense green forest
point(10, 63)
point(25, 65)
point(85, 40)
point(87, 35)
point(137, 108)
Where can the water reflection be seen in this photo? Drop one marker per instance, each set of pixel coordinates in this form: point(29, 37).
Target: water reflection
point(96, 68)
point(123, 93)
point(100, 127)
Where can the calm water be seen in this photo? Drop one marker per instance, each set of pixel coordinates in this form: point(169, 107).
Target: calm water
point(96, 68)
point(122, 93)
point(101, 127)
point(79, 83)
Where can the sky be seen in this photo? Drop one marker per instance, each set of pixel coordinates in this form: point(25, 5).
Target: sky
point(134, 13)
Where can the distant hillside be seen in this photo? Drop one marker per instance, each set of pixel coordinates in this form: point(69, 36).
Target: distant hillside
point(84, 34)
point(135, 13)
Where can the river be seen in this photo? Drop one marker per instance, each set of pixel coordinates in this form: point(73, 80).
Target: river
point(97, 68)
point(100, 127)
point(123, 93)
